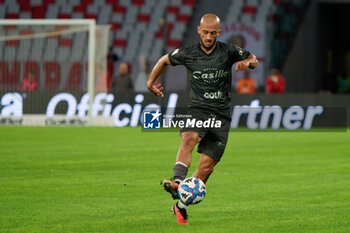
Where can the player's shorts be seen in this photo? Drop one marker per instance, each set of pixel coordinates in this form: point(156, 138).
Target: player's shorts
point(213, 139)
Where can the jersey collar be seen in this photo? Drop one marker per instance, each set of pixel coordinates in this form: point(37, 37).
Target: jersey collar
point(207, 54)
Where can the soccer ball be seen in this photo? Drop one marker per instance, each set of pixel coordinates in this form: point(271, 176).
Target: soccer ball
point(191, 191)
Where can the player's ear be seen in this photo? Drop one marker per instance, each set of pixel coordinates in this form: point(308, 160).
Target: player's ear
point(219, 31)
point(198, 30)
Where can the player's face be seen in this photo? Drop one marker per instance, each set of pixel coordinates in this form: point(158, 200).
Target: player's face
point(208, 34)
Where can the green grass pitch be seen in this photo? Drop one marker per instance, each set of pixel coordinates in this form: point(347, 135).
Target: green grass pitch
point(66, 179)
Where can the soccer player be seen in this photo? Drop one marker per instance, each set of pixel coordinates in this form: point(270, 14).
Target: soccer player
point(208, 64)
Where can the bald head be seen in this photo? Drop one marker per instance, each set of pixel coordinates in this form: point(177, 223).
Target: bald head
point(123, 68)
point(210, 19)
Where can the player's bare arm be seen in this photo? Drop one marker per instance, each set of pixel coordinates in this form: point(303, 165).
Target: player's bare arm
point(156, 88)
point(251, 62)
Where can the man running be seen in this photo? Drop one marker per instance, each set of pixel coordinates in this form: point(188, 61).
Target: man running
point(209, 65)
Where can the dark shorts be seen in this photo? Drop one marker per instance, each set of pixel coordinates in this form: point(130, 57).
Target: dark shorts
point(213, 139)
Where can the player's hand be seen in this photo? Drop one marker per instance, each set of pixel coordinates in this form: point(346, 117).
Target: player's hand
point(156, 89)
point(242, 65)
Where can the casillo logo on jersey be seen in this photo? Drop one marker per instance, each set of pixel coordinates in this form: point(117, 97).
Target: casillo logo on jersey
point(210, 75)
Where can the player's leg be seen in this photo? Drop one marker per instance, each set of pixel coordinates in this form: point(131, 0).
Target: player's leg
point(211, 148)
point(211, 151)
point(189, 139)
point(183, 161)
point(205, 167)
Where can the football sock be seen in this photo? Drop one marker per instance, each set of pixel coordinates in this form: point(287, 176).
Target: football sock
point(182, 205)
point(180, 171)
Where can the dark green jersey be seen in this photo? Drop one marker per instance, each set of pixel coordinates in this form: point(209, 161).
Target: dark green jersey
point(209, 75)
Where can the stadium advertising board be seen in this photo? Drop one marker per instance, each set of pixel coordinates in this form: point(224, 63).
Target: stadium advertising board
point(251, 111)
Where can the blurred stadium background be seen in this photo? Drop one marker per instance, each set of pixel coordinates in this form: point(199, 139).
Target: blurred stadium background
point(54, 54)
point(301, 38)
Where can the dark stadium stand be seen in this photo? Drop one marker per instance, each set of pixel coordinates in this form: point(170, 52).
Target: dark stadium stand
point(287, 17)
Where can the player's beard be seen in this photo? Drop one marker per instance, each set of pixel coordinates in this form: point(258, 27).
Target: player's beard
point(210, 47)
